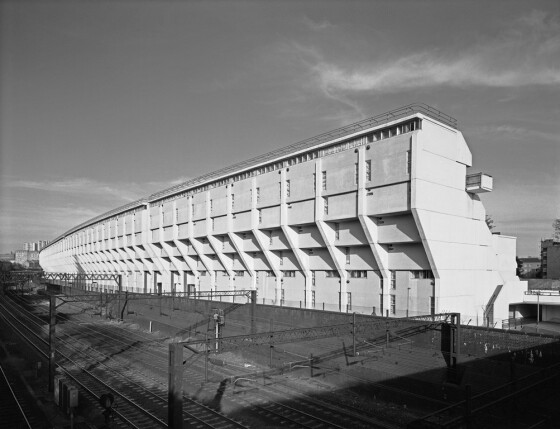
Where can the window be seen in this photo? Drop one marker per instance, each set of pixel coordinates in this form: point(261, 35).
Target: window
point(393, 279)
point(331, 273)
point(211, 206)
point(358, 274)
point(312, 278)
point(314, 182)
point(347, 255)
point(280, 189)
point(202, 273)
point(349, 300)
point(368, 170)
point(288, 273)
point(326, 205)
point(393, 305)
point(258, 195)
point(422, 274)
point(356, 173)
point(281, 256)
point(260, 216)
point(408, 162)
point(337, 231)
point(312, 299)
point(269, 273)
point(239, 273)
point(287, 188)
point(324, 180)
point(232, 202)
point(270, 236)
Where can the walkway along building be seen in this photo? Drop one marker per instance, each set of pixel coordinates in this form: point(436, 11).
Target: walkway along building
point(378, 217)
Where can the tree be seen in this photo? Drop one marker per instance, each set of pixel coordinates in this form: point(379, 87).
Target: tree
point(490, 222)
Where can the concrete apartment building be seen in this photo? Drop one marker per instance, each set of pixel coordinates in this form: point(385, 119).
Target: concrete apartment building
point(379, 217)
point(36, 246)
point(550, 259)
point(23, 256)
point(530, 267)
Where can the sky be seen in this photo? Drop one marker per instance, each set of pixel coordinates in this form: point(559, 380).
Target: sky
point(105, 102)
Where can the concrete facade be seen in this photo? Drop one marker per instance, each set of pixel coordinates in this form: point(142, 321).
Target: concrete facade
point(378, 217)
point(550, 259)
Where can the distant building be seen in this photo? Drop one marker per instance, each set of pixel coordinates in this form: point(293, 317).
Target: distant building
point(21, 256)
point(24, 256)
point(8, 257)
point(550, 259)
point(36, 246)
point(530, 267)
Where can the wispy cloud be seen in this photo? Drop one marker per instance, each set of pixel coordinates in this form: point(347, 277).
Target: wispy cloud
point(513, 132)
point(125, 191)
point(525, 53)
point(317, 25)
point(35, 210)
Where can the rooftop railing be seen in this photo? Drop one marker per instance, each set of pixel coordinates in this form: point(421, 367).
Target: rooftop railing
point(311, 142)
point(375, 121)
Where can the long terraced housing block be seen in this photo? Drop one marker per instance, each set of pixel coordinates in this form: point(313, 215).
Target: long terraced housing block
point(378, 217)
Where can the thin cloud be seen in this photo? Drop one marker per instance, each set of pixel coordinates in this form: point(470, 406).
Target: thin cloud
point(62, 204)
point(126, 192)
point(317, 26)
point(527, 53)
point(518, 133)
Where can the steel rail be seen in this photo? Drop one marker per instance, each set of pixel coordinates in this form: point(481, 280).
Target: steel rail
point(81, 382)
point(339, 353)
point(4, 376)
point(187, 414)
point(163, 356)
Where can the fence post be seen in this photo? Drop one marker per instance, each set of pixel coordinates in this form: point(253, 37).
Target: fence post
point(253, 308)
point(354, 334)
point(468, 406)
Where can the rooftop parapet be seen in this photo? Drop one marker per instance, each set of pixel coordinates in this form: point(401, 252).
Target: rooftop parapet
point(375, 121)
point(311, 142)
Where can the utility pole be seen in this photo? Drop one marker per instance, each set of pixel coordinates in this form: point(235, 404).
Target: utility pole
point(175, 386)
point(538, 309)
point(407, 300)
point(52, 341)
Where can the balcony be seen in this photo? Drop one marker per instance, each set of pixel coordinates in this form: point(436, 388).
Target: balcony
point(542, 297)
point(478, 183)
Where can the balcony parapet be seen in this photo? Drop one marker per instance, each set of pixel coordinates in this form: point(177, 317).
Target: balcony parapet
point(478, 183)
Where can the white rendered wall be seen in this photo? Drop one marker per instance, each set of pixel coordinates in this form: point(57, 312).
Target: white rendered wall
point(284, 235)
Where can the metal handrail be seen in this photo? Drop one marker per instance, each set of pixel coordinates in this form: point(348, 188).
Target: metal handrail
point(121, 209)
point(310, 142)
point(274, 155)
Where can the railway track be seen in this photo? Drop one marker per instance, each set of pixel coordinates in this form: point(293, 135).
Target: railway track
point(139, 407)
point(113, 347)
point(272, 403)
